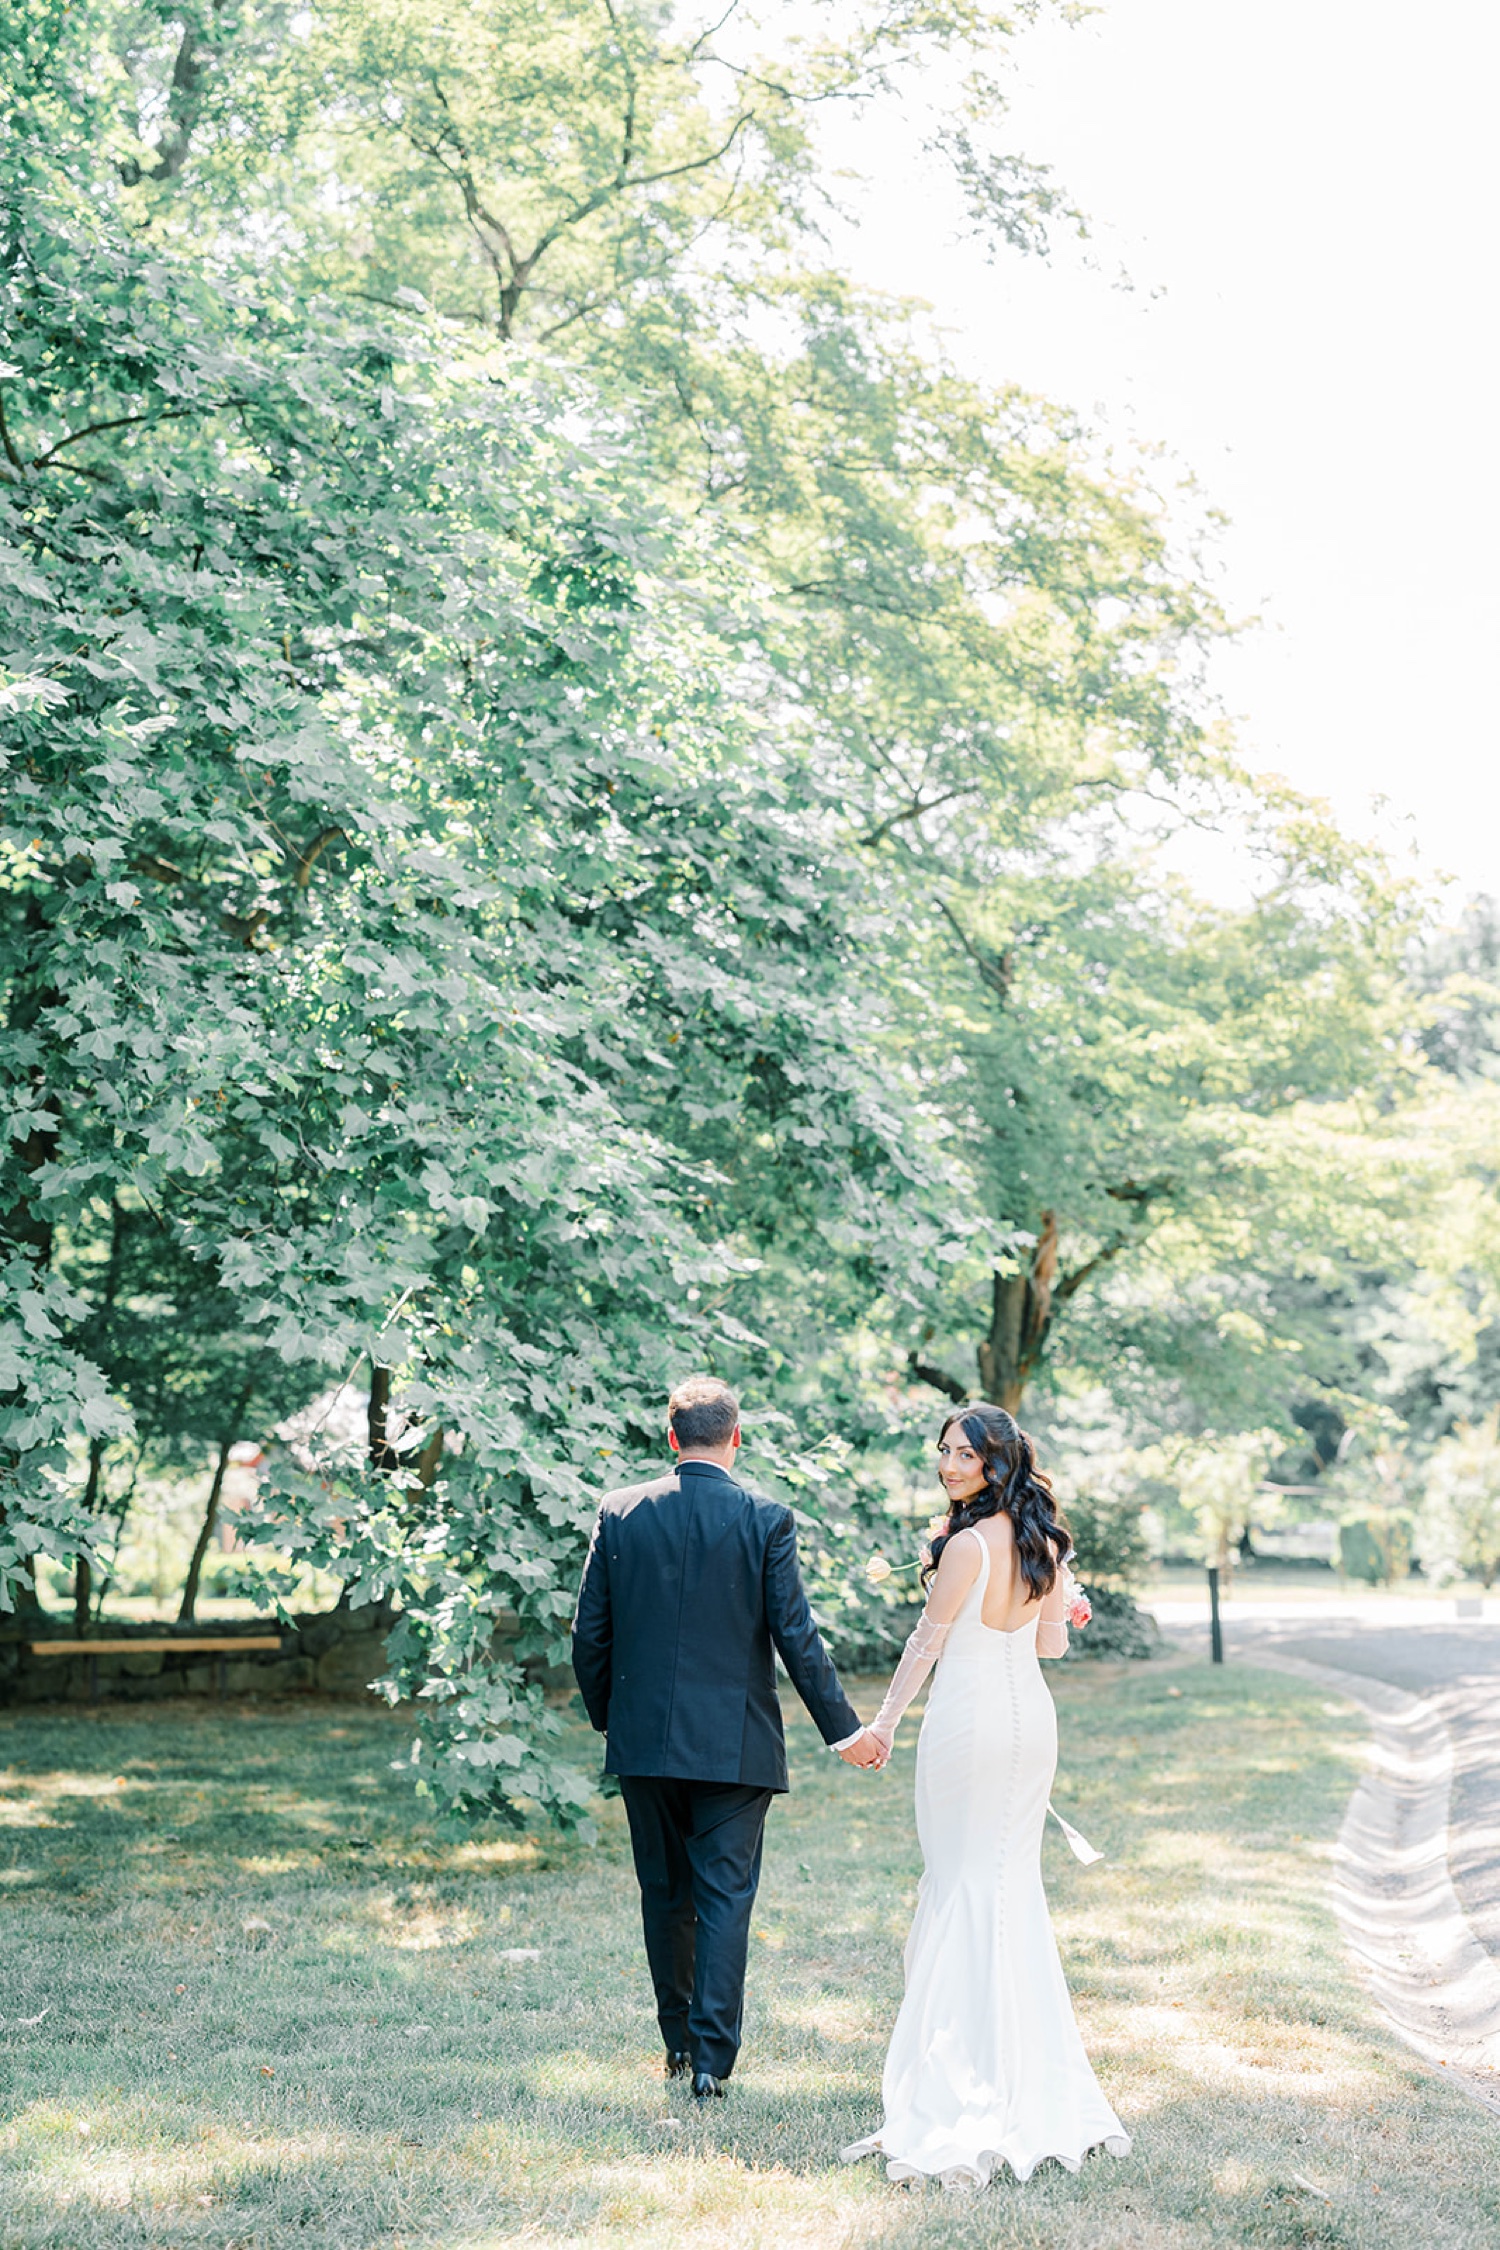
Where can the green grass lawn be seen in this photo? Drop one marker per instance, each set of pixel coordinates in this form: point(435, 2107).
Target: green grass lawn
point(274, 2010)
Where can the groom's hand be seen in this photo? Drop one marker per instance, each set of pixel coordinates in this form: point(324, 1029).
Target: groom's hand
point(865, 1750)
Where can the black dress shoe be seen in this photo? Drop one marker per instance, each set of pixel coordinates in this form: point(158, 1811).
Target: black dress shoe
point(679, 2062)
point(706, 2087)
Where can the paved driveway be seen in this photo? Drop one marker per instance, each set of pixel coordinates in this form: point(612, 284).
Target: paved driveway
point(1421, 1646)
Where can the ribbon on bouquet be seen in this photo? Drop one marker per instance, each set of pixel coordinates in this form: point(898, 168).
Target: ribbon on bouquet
point(1079, 1846)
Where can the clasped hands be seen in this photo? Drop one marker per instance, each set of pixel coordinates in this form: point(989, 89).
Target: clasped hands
point(867, 1749)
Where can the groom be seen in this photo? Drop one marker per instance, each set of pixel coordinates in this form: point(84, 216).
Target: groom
point(690, 1582)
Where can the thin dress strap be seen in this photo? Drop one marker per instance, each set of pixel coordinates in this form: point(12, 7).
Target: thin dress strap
point(971, 1531)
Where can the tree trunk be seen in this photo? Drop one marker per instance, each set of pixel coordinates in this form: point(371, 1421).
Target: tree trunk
point(83, 1568)
point(83, 1593)
point(383, 1454)
point(1020, 1316)
point(24, 1223)
point(430, 1460)
point(189, 1603)
point(1022, 1306)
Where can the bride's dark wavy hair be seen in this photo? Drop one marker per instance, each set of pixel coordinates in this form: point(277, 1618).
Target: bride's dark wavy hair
point(1013, 1486)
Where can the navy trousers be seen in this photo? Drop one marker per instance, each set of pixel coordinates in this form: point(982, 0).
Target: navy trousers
point(697, 1851)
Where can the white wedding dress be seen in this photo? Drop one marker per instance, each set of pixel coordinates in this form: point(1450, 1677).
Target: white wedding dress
point(986, 2066)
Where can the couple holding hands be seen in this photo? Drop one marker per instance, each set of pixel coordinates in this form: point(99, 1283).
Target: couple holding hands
point(690, 1586)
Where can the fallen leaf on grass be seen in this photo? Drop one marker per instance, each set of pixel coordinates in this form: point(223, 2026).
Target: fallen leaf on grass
point(1310, 2187)
point(266, 2071)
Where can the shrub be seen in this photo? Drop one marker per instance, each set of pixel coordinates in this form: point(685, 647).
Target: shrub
point(1118, 1628)
point(1109, 1556)
point(1461, 1519)
point(1109, 1541)
point(1376, 1546)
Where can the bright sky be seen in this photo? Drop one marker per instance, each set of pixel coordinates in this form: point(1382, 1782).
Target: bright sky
point(1305, 194)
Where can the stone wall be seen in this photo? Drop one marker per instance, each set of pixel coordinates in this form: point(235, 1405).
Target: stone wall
point(337, 1652)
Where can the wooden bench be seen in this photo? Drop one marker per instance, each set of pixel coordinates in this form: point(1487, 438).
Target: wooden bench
point(198, 1644)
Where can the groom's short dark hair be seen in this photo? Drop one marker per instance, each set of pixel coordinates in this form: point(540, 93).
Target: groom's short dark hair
point(703, 1411)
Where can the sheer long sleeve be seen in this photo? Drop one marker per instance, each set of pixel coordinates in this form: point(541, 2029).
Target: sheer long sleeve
point(1052, 1625)
point(956, 1574)
point(924, 1645)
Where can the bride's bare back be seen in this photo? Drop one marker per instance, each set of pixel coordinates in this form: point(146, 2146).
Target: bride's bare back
point(1008, 1601)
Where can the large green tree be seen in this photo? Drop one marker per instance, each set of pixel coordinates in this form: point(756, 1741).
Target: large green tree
point(967, 609)
point(401, 921)
point(1142, 1083)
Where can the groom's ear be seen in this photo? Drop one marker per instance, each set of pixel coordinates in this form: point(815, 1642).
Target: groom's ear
point(672, 1439)
point(735, 1440)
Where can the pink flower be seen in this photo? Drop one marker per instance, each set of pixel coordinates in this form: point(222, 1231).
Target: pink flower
point(1080, 1610)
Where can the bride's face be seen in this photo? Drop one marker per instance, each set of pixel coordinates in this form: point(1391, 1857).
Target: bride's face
point(959, 1466)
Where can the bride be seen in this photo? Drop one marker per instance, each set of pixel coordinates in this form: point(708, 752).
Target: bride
point(986, 2066)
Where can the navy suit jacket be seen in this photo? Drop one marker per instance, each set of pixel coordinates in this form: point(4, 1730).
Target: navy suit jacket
point(689, 1585)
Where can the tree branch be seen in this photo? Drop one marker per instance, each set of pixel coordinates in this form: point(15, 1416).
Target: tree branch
point(119, 422)
point(394, 304)
point(914, 811)
point(579, 312)
point(939, 1379)
point(82, 469)
point(314, 853)
point(513, 276)
point(482, 223)
point(627, 125)
point(618, 186)
point(855, 597)
point(997, 970)
point(1075, 1280)
point(158, 869)
point(11, 455)
point(708, 32)
point(190, 71)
